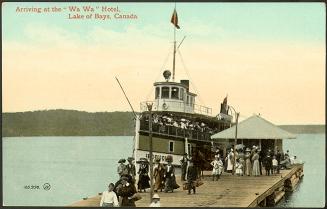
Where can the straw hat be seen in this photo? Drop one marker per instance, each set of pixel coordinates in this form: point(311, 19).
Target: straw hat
point(155, 196)
point(247, 150)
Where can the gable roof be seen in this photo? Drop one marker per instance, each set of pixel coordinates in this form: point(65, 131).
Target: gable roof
point(254, 127)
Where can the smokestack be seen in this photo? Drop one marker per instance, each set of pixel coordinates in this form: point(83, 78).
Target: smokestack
point(186, 83)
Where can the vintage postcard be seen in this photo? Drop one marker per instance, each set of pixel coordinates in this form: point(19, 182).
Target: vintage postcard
point(163, 104)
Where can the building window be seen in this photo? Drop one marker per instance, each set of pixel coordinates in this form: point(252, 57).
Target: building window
point(171, 146)
point(157, 92)
point(174, 92)
point(187, 99)
point(165, 92)
point(182, 94)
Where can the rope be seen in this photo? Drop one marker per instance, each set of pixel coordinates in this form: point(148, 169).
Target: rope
point(188, 74)
point(159, 73)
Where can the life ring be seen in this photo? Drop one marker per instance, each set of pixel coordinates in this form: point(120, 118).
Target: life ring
point(164, 106)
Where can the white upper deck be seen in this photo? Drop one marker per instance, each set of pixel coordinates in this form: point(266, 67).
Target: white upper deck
point(175, 97)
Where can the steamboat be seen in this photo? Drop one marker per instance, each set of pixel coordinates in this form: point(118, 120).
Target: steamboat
point(178, 124)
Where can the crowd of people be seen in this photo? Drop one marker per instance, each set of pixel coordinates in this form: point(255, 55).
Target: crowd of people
point(124, 193)
point(169, 120)
point(248, 162)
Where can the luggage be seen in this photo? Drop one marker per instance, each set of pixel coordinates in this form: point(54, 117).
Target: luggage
point(136, 197)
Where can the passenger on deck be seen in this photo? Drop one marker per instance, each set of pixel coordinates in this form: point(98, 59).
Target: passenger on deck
point(248, 164)
point(268, 164)
point(238, 168)
point(191, 177)
point(158, 173)
point(285, 164)
point(218, 167)
point(144, 178)
point(255, 167)
point(230, 158)
point(261, 159)
point(278, 158)
point(109, 198)
point(125, 191)
point(131, 169)
point(169, 175)
point(122, 169)
point(183, 162)
point(275, 165)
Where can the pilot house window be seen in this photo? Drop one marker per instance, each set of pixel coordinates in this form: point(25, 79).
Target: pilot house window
point(157, 92)
point(174, 93)
point(182, 94)
point(165, 92)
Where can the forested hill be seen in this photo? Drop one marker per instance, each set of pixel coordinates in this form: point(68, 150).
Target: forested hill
point(80, 123)
point(67, 123)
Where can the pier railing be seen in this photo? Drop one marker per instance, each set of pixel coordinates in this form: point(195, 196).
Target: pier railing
point(173, 131)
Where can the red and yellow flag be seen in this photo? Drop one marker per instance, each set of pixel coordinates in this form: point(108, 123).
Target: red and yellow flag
point(174, 19)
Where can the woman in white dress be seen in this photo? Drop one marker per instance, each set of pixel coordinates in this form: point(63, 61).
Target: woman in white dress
point(230, 159)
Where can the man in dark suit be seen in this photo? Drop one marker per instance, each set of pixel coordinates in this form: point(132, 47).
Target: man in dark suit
point(278, 158)
point(191, 177)
point(268, 164)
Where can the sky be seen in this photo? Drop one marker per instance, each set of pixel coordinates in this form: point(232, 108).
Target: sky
point(269, 58)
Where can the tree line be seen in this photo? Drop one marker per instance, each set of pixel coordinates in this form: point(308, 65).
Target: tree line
point(67, 123)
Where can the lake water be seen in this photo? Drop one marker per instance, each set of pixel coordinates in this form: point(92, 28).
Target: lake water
point(77, 167)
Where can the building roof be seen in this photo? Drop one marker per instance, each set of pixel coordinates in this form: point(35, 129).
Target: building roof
point(254, 127)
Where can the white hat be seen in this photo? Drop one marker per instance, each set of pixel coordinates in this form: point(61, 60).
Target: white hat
point(155, 196)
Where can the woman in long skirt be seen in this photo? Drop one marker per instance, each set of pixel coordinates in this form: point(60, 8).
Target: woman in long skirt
point(144, 178)
point(256, 167)
point(248, 165)
point(169, 175)
point(230, 161)
point(158, 172)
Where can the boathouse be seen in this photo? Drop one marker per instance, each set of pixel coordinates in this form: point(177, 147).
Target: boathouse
point(254, 130)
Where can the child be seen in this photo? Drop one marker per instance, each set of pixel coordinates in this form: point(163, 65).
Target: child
point(275, 164)
point(109, 198)
point(155, 201)
point(217, 165)
point(238, 168)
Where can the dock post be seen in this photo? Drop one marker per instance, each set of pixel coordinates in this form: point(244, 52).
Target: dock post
point(149, 105)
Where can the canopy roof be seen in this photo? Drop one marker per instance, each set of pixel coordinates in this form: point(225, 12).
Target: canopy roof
point(254, 127)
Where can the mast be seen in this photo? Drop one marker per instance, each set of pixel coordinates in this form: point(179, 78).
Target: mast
point(174, 42)
point(174, 51)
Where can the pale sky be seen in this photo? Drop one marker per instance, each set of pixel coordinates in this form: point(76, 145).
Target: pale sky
point(268, 57)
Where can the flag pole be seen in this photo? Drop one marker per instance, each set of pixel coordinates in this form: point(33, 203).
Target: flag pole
point(174, 48)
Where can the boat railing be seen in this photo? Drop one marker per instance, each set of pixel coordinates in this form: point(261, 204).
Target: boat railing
point(178, 106)
point(169, 130)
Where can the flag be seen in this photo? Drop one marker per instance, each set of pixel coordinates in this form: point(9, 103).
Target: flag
point(174, 19)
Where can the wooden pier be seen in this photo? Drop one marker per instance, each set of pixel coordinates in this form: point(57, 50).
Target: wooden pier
point(228, 191)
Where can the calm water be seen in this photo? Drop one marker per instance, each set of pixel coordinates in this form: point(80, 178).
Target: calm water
point(77, 167)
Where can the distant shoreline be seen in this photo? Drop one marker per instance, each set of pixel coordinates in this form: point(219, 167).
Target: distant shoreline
point(80, 123)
